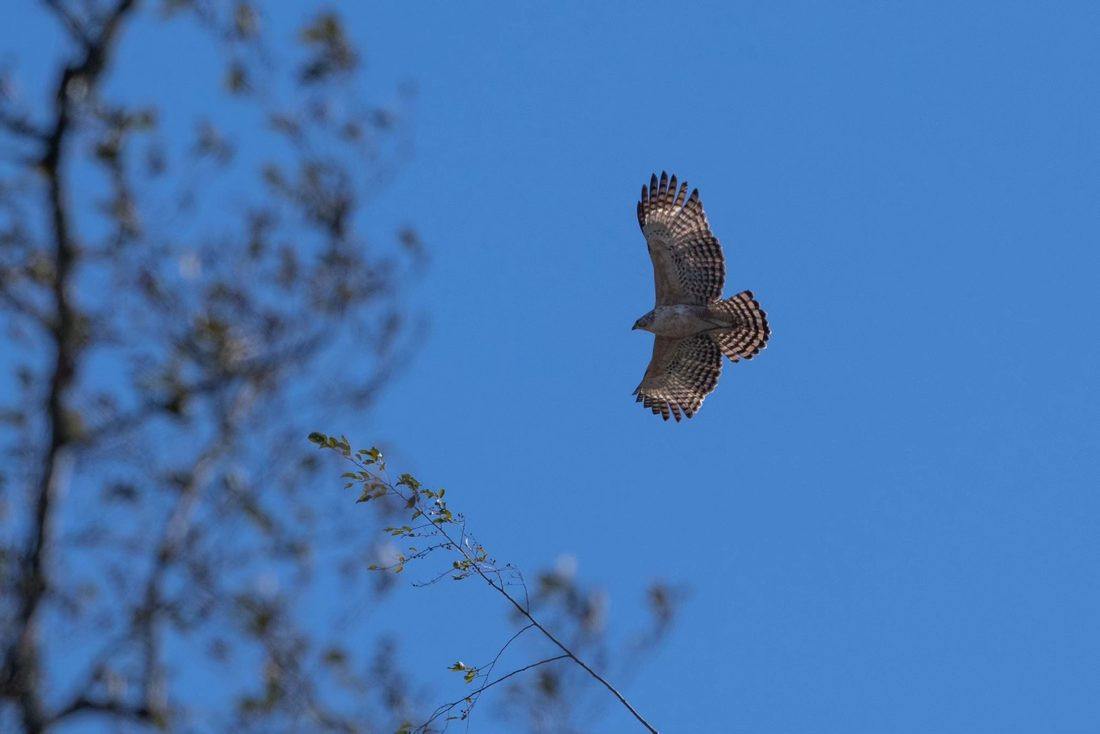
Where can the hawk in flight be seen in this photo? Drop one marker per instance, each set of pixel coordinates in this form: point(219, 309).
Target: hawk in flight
point(693, 327)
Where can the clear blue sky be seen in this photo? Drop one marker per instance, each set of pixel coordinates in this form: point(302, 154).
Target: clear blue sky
point(888, 522)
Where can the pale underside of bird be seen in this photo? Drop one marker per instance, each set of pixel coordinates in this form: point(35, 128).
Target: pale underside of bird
point(692, 325)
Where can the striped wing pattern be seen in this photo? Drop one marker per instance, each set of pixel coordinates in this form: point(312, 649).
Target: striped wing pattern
point(688, 265)
point(681, 373)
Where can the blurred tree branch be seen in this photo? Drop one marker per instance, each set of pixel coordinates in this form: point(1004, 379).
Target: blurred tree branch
point(177, 310)
point(174, 363)
point(22, 659)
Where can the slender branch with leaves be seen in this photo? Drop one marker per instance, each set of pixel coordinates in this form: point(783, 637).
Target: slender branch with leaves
point(431, 520)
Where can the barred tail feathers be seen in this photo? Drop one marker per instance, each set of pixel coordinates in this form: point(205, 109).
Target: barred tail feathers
point(750, 331)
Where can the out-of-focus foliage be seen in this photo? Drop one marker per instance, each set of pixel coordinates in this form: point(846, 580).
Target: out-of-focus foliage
point(183, 288)
point(174, 309)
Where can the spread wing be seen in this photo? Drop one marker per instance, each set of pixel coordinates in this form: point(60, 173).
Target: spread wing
point(681, 373)
point(688, 265)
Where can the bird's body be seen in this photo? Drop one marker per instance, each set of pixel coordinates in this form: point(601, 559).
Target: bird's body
point(693, 326)
point(684, 320)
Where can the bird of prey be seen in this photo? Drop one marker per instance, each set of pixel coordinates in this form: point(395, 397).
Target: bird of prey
point(693, 327)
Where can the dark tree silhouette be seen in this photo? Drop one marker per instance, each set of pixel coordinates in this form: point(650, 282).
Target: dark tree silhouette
point(171, 307)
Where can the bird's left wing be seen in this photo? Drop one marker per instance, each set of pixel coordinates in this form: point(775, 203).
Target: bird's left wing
point(681, 373)
point(688, 265)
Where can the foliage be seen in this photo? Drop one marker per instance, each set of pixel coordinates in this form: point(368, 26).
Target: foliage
point(433, 529)
point(175, 307)
point(183, 290)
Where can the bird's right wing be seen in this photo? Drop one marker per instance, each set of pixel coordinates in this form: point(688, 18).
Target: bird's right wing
point(681, 373)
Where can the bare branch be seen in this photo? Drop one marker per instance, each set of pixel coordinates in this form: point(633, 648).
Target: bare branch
point(21, 126)
point(473, 695)
point(227, 313)
point(72, 24)
point(489, 668)
point(441, 517)
point(24, 308)
point(105, 706)
point(569, 653)
point(22, 659)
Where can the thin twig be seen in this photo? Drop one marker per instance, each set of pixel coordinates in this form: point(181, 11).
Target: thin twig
point(21, 126)
point(489, 671)
point(450, 706)
point(476, 564)
point(72, 24)
point(569, 653)
point(107, 706)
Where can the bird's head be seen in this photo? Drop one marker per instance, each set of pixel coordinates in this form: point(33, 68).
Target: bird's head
point(645, 322)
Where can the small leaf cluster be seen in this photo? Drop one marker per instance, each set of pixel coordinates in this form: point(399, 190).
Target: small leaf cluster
point(429, 518)
point(428, 510)
point(469, 672)
point(331, 442)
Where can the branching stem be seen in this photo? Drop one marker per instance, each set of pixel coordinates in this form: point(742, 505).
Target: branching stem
point(413, 500)
point(450, 706)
